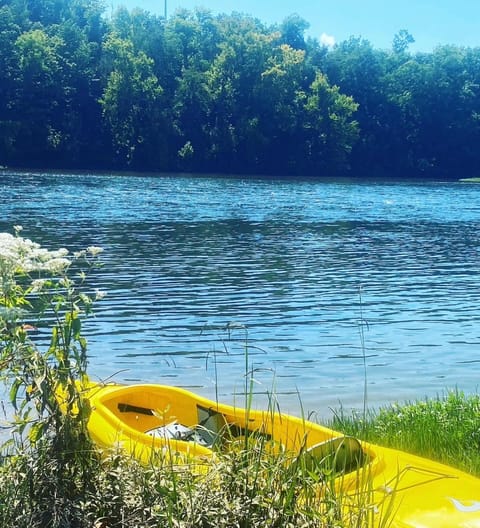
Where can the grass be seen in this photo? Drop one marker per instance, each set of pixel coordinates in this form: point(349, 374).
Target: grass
point(469, 180)
point(446, 429)
point(246, 488)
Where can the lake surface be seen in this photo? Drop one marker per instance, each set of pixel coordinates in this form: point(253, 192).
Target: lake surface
point(303, 281)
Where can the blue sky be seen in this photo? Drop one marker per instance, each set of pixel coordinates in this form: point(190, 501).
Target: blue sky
point(431, 22)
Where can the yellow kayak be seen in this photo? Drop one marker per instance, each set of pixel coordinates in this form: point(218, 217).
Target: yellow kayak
point(151, 421)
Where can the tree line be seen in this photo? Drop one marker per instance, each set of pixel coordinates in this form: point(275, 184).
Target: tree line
point(227, 93)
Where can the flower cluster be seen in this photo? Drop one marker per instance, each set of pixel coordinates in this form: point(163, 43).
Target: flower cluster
point(21, 255)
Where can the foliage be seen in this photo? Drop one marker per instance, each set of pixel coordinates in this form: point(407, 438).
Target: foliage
point(49, 461)
point(227, 93)
point(131, 98)
point(240, 491)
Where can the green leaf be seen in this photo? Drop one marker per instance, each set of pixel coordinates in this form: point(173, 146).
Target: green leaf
point(76, 326)
point(36, 432)
point(14, 392)
point(54, 340)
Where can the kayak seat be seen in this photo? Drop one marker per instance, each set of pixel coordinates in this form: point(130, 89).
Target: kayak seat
point(208, 432)
point(212, 426)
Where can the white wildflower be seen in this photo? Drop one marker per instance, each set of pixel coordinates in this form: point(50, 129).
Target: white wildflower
point(59, 253)
point(56, 265)
point(38, 285)
point(94, 250)
point(99, 294)
point(21, 255)
point(65, 282)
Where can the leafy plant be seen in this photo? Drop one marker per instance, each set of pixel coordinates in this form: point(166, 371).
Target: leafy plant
point(49, 448)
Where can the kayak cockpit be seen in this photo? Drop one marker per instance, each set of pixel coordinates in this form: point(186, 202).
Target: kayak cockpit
point(157, 415)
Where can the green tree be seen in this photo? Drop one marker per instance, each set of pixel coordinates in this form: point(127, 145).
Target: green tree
point(401, 41)
point(448, 115)
point(192, 41)
point(226, 93)
point(280, 106)
point(236, 119)
point(145, 31)
point(292, 31)
point(9, 124)
point(131, 104)
point(39, 65)
point(329, 128)
point(78, 110)
point(359, 70)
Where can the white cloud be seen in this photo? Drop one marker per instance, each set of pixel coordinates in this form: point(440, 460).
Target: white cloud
point(327, 40)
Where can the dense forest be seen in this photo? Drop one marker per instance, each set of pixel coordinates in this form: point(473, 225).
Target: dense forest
point(205, 93)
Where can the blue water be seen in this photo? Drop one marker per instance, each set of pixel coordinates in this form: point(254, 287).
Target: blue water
point(304, 283)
